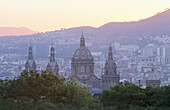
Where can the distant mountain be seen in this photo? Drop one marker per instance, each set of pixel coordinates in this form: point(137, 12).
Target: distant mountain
point(13, 31)
point(137, 32)
point(128, 32)
point(156, 25)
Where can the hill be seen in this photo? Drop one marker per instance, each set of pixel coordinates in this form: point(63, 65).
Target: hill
point(137, 32)
point(13, 31)
point(156, 25)
point(127, 32)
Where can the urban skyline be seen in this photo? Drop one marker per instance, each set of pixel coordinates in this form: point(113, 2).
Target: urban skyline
point(85, 54)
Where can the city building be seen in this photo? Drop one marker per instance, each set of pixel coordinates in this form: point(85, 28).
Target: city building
point(163, 55)
point(153, 79)
point(82, 67)
point(52, 66)
point(110, 76)
point(30, 63)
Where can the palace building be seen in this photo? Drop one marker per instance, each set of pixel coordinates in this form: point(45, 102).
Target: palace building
point(82, 67)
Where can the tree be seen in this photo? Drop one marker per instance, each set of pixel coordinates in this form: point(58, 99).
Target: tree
point(45, 90)
point(32, 87)
point(95, 104)
point(71, 95)
point(132, 96)
point(157, 97)
point(9, 103)
point(122, 96)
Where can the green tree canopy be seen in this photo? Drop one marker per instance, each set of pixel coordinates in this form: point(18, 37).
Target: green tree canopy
point(130, 96)
point(122, 96)
point(44, 90)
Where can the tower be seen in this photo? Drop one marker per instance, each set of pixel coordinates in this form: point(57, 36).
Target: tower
point(82, 66)
point(82, 61)
point(30, 63)
point(52, 66)
point(110, 74)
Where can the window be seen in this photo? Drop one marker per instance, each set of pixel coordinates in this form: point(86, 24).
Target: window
point(90, 69)
point(82, 69)
point(85, 68)
point(75, 69)
point(107, 72)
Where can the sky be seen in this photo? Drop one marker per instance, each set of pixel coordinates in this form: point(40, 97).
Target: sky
point(49, 15)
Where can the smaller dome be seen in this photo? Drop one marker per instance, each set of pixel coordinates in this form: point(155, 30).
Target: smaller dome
point(82, 53)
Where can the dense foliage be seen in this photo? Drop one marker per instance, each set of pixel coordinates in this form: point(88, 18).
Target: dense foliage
point(130, 96)
point(42, 91)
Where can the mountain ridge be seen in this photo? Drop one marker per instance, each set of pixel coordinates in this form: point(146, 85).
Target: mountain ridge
point(123, 32)
point(16, 31)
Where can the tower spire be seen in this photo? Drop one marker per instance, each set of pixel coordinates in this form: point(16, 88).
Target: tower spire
point(30, 52)
point(110, 55)
point(52, 55)
point(82, 40)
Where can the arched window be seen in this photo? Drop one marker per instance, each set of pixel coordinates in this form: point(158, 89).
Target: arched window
point(75, 69)
point(89, 69)
point(107, 72)
point(85, 68)
point(82, 69)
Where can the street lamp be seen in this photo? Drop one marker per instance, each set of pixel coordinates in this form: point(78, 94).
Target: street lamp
point(139, 82)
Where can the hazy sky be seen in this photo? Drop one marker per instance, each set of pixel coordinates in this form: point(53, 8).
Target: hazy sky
point(46, 15)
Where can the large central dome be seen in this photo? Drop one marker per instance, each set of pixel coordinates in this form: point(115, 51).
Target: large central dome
point(82, 61)
point(82, 52)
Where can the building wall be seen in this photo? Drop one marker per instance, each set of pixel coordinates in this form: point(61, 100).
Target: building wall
point(153, 83)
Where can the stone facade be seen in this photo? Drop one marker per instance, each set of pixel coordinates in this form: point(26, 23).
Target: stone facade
point(82, 61)
point(82, 66)
point(110, 76)
point(30, 63)
point(52, 66)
